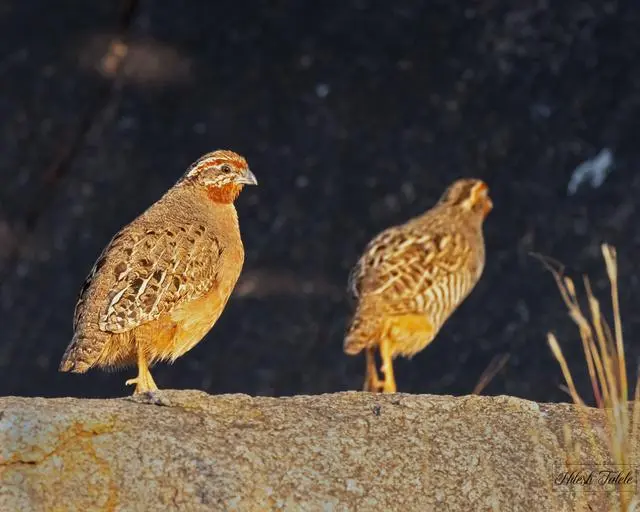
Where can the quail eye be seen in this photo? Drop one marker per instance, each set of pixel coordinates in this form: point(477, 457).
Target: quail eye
point(225, 168)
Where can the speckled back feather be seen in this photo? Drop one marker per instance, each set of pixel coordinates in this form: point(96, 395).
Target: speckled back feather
point(152, 272)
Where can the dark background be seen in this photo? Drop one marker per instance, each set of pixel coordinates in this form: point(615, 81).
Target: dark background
point(354, 115)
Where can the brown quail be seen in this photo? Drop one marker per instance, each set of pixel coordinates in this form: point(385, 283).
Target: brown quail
point(164, 279)
point(412, 277)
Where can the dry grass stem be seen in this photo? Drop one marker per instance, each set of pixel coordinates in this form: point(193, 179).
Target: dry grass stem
point(496, 364)
point(606, 365)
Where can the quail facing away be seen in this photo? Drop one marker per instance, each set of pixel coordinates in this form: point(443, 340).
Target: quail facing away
point(412, 277)
point(164, 279)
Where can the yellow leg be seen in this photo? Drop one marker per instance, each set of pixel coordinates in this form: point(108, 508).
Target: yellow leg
point(144, 381)
point(371, 381)
point(389, 384)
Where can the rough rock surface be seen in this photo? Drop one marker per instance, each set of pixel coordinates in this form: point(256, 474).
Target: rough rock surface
point(346, 451)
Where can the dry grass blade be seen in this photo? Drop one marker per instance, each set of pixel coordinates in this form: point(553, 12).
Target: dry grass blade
point(557, 353)
point(635, 420)
point(610, 258)
point(606, 364)
point(496, 364)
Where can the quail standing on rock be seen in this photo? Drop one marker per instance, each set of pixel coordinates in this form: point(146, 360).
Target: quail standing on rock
point(164, 279)
point(412, 277)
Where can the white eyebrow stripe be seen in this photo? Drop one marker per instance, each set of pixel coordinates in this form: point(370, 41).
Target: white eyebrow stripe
point(202, 164)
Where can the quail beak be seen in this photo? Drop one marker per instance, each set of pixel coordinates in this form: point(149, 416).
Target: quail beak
point(247, 178)
point(488, 206)
point(481, 195)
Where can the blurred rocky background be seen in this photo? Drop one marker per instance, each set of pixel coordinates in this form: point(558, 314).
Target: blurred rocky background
point(354, 115)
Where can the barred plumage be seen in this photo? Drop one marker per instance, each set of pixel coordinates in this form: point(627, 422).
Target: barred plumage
point(412, 277)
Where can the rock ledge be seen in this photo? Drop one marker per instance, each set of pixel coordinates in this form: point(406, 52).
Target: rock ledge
point(345, 451)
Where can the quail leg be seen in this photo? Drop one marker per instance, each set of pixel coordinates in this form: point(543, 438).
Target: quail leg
point(389, 384)
point(371, 380)
point(144, 381)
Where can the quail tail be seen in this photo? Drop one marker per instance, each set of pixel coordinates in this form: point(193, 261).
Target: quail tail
point(363, 332)
point(80, 355)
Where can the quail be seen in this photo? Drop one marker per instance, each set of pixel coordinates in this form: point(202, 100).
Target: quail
point(412, 277)
point(164, 279)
